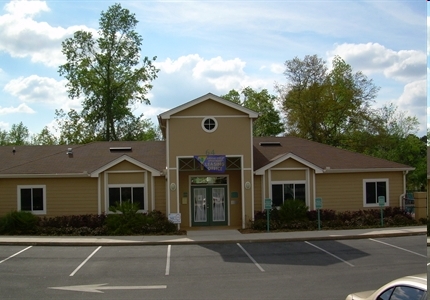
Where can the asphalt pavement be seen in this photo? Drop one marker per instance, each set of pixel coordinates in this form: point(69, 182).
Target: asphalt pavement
point(212, 236)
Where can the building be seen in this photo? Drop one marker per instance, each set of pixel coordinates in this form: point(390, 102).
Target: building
point(210, 170)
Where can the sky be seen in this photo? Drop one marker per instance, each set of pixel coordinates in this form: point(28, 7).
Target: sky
point(216, 46)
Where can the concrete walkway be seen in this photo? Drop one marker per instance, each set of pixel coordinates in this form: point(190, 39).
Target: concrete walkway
point(212, 236)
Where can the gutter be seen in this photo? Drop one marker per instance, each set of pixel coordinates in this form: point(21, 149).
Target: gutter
point(54, 175)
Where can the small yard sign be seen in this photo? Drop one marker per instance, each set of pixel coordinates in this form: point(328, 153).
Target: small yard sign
point(318, 203)
point(267, 203)
point(381, 200)
point(175, 218)
point(268, 207)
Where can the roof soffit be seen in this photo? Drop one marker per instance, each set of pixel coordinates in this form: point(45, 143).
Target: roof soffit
point(117, 161)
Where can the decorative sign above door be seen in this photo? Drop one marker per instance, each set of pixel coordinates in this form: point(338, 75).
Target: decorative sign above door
point(212, 163)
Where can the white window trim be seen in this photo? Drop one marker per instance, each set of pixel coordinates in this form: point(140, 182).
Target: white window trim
point(18, 200)
point(132, 185)
point(290, 182)
point(203, 124)
point(387, 199)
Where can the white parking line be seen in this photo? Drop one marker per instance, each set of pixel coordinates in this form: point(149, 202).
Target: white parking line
point(83, 263)
point(250, 257)
point(15, 254)
point(399, 248)
point(329, 253)
point(168, 260)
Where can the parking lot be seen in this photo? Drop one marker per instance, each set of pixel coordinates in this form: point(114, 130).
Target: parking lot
point(284, 270)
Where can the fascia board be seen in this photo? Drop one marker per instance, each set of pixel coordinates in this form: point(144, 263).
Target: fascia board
point(166, 115)
point(285, 157)
point(57, 175)
point(97, 172)
point(372, 170)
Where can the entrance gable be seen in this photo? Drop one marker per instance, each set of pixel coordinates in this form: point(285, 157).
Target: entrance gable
point(288, 160)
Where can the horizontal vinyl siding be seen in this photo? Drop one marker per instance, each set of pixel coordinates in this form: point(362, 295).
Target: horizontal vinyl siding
point(160, 194)
point(344, 192)
point(8, 197)
point(71, 197)
point(126, 178)
point(288, 175)
point(258, 193)
point(64, 196)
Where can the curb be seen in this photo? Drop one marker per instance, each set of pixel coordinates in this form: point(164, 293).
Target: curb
point(233, 241)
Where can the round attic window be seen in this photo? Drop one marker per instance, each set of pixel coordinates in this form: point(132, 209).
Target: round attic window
point(209, 124)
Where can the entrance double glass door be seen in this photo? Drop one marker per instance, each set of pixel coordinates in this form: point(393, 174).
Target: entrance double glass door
point(209, 206)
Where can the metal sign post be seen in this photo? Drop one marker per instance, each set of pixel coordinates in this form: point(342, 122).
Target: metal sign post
point(381, 201)
point(318, 206)
point(268, 207)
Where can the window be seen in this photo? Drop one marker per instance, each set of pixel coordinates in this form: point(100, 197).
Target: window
point(119, 194)
point(32, 199)
point(209, 124)
point(401, 293)
point(288, 191)
point(374, 188)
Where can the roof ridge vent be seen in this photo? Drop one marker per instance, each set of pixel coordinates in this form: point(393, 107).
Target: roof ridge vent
point(270, 144)
point(120, 149)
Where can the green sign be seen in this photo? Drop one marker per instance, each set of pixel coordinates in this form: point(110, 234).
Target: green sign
point(318, 203)
point(267, 203)
point(381, 201)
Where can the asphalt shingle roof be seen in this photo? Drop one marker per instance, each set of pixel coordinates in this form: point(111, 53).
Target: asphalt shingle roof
point(85, 159)
point(49, 160)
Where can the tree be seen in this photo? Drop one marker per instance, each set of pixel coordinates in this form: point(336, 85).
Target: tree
point(322, 105)
point(45, 137)
point(18, 135)
point(269, 122)
point(106, 72)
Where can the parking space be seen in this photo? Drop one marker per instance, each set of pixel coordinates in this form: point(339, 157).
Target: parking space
point(212, 265)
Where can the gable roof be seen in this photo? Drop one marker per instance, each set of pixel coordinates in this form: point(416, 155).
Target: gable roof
point(320, 157)
point(209, 96)
point(166, 115)
point(33, 161)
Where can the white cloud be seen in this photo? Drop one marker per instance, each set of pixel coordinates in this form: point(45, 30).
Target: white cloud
point(277, 68)
point(413, 101)
point(4, 126)
point(24, 37)
point(403, 65)
point(36, 89)
point(22, 108)
point(25, 8)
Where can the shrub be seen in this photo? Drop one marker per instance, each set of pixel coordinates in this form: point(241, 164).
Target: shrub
point(18, 222)
point(293, 210)
point(126, 220)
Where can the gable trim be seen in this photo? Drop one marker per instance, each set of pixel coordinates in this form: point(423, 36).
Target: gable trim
point(168, 114)
point(285, 157)
point(133, 161)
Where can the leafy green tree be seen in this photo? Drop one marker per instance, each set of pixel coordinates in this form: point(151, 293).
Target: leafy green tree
point(138, 129)
point(269, 122)
point(3, 137)
point(322, 105)
point(45, 137)
point(74, 129)
point(106, 70)
point(18, 135)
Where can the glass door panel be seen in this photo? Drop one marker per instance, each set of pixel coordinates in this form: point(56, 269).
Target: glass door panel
point(218, 204)
point(200, 207)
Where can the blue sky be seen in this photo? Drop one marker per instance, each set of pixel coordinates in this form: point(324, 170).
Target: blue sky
point(215, 46)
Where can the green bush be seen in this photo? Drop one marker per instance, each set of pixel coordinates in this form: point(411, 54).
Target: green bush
point(18, 222)
point(126, 220)
point(293, 210)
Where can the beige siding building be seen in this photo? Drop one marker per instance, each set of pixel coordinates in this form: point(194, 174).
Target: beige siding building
point(209, 171)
